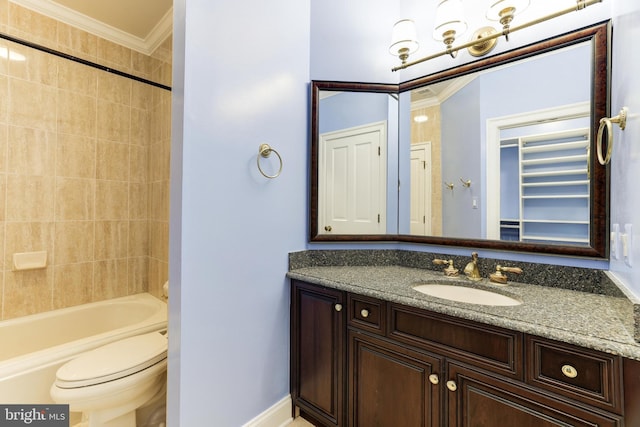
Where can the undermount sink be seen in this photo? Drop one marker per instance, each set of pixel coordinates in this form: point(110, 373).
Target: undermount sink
point(465, 294)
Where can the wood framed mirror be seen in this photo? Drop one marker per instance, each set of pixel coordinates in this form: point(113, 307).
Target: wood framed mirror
point(510, 143)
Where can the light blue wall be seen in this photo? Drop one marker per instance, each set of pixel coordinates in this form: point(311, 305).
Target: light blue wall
point(350, 109)
point(242, 73)
point(625, 165)
point(461, 157)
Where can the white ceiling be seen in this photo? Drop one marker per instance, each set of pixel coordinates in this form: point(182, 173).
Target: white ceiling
point(141, 25)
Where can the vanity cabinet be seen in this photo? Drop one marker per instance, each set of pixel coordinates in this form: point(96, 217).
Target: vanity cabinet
point(318, 328)
point(378, 363)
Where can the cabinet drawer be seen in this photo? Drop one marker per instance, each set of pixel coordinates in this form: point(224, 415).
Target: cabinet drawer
point(366, 313)
point(585, 375)
point(489, 347)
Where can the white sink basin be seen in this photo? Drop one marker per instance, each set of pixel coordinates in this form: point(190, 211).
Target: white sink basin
point(464, 294)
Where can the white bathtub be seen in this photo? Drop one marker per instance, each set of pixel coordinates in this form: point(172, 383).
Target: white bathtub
point(32, 348)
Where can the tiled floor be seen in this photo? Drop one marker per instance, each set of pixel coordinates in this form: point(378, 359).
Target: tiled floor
point(300, 422)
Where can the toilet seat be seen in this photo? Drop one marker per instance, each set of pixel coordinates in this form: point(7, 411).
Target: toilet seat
point(113, 361)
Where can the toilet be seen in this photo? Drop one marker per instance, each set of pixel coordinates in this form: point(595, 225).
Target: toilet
point(109, 383)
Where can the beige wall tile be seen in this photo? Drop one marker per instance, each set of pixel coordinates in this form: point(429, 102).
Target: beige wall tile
point(112, 161)
point(110, 53)
point(32, 105)
point(78, 78)
point(75, 147)
point(77, 42)
point(159, 204)
point(138, 238)
point(76, 114)
point(112, 200)
point(114, 121)
point(29, 198)
point(138, 163)
point(159, 240)
point(2, 259)
point(140, 127)
point(28, 237)
point(75, 156)
point(158, 274)
point(4, 131)
point(4, 98)
point(110, 279)
point(4, 14)
point(112, 238)
point(138, 274)
point(31, 151)
point(3, 204)
point(74, 242)
point(39, 67)
point(39, 28)
point(138, 201)
point(114, 88)
point(75, 199)
point(27, 292)
point(72, 284)
point(141, 95)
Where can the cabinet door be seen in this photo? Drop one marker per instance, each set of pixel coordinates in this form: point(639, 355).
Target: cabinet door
point(391, 386)
point(317, 352)
point(476, 399)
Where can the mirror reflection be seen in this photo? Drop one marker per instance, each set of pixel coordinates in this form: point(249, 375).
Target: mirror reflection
point(357, 146)
point(501, 154)
point(495, 154)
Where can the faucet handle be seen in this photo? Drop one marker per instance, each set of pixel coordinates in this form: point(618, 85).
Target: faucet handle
point(450, 270)
point(500, 277)
point(516, 270)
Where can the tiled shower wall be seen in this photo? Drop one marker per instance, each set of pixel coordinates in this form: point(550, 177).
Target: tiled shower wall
point(84, 167)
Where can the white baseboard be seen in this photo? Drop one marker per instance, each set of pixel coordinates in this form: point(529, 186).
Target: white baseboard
point(279, 415)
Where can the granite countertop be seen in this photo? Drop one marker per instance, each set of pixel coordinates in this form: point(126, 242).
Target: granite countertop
point(595, 321)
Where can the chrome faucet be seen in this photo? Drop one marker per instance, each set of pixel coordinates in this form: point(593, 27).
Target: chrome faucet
point(471, 270)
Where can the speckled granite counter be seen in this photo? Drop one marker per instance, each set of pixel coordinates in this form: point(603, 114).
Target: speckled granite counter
point(596, 321)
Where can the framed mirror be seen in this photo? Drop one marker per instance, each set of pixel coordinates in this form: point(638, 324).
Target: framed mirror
point(498, 153)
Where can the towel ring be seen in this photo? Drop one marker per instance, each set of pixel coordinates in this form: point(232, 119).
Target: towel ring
point(265, 151)
point(606, 123)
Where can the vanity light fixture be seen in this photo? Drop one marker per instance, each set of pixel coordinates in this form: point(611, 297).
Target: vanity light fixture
point(504, 11)
point(484, 39)
point(404, 39)
point(450, 23)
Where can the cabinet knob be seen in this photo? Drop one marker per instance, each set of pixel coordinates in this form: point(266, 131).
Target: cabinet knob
point(327, 228)
point(451, 385)
point(569, 371)
point(364, 312)
point(433, 378)
point(338, 307)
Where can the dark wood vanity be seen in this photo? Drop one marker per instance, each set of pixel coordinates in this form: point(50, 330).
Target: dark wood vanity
point(361, 361)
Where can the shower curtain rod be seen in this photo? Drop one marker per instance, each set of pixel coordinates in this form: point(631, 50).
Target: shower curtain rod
point(82, 61)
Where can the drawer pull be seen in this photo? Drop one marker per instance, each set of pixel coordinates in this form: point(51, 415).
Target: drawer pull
point(569, 371)
point(364, 312)
point(433, 378)
point(338, 307)
point(451, 385)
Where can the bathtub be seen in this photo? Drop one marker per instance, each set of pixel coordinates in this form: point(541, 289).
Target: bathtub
point(32, 348)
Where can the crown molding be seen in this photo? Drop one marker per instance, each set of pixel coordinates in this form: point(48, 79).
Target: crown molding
point(68, 16)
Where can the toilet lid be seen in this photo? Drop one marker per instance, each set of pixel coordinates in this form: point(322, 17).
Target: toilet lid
point(113, 361)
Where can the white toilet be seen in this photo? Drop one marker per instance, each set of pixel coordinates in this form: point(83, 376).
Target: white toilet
point(109, 383)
